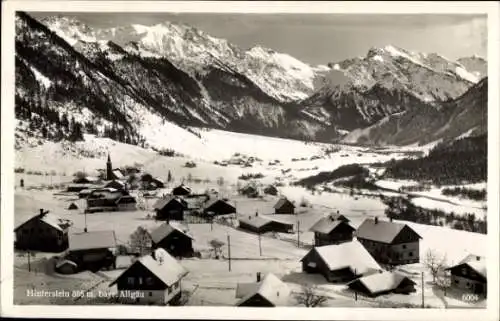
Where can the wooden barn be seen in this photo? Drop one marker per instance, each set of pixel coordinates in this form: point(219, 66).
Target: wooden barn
point(389, 242)
point(170, 208)
point(340, 263)
point(219, 207)
point(92, 250)
point(260, 224)
point(181, 190)
point(383, 283)
point(175, 241)
point(332, 229)
point(43, 232)
point(156, 276)
point(284, 206)
point(469, 275)
point(268, 292)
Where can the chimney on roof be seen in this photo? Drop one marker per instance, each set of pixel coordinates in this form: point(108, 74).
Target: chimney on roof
point(258, 276)
point(43, 213)
point(478, 258)
point(376, 219)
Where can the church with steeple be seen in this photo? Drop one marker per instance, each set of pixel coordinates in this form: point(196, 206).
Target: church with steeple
point(112, 174)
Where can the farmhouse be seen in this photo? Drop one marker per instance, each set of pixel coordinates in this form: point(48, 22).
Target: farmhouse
point(219, 207)
point(175, 241)
point(382, 283)
point(260, 224)
point(181, 190)
point(284, 206)
point(92, 250)
point(170, 208)
point(126, 203)
point(333, 229)
point(158, 276)
point(269, 292)
point(341, 262)
point(389, 242)
point(43, 232)
point(469, 275)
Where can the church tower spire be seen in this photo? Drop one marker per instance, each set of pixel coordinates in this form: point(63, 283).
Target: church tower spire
point(109, 169)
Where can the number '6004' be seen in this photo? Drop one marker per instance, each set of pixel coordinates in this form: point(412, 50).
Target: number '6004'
point(470, 297)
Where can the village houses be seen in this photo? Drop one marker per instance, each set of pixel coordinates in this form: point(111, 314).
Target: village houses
point(261, 224)
point(157, 276)
point(219, 207)
point(92, 250)
point(170, 208)
point(389, 242)
point(284, 206)
point(382, 283)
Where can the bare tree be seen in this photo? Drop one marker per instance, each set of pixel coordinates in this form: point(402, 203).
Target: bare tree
point(140, 241)
point(443, 281)
point(309, 297)
point(435, 263)
point(216, 247)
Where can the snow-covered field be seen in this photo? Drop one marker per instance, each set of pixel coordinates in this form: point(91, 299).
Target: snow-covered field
point(280, 255)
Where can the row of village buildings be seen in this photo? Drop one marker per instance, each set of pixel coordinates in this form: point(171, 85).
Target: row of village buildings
point(340, 253)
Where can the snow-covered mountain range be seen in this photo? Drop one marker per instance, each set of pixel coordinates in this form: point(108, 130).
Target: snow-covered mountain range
point(121, 82)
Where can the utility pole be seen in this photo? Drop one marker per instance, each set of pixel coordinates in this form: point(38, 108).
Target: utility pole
point(355, 292)
point(29, 261)
point(422, 290)
point(298, 233)
point(260, 247)
point(229, 251)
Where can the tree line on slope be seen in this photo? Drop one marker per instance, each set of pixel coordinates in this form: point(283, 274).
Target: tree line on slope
point(450, 163)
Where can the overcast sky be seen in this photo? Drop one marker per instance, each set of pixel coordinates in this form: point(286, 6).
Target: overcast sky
point(323, 38)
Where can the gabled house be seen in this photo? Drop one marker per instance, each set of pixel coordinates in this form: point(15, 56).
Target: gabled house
point(382, 283)
point(157, 276)
point(170, 208)
point(219, 207)
point(269, 292)
point(43, 232)
point(284, 206)
point(172, 239)
point(261, 224)
point(389, 242)
point(181, 190)
point(116, 184)
point(155, 183)
point(72, 206)
point(92, 250)
point(332, 229)
point(469, 275)
point(341, 262)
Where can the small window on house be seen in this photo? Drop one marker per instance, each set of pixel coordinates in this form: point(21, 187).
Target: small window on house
point(464, 271)
point(467, 284)
point(410, 254)
point(130, 281)
point(456, 281)
point(169, 290)
point(150, 293)
point(140, 280)
point(149, 281)
point(404, 246)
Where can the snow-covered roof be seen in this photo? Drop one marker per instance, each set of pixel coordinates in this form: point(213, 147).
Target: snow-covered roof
point(381, 282)
point(164, 230)
point(475, 262)
point(49, 219)
point(271, 288)
point(163, 266)
point(327, 224)
point(282, 201)
point(164, 201)
point(92, 240)
point(64, 262)
point(255, 221)
point(351, 255)
point(380, 231)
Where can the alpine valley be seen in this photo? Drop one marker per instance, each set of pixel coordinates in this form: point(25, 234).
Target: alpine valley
point(139, 84)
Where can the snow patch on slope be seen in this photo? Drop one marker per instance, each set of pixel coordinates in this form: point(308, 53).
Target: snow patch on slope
point(46, 82)
point(466, 75)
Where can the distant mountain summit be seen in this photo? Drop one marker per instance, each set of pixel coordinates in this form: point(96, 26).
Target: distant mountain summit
point(136, 83)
